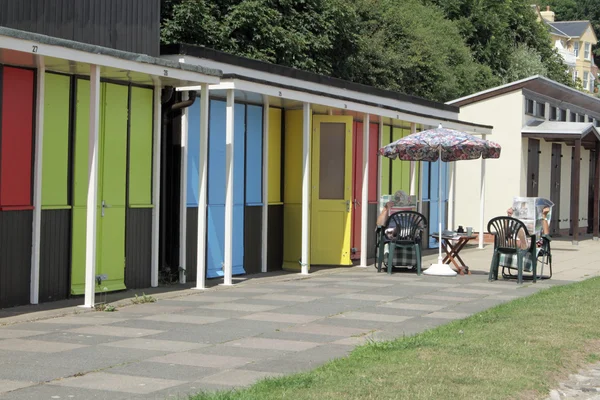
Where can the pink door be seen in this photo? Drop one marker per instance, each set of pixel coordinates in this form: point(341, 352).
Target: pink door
point(357, 161)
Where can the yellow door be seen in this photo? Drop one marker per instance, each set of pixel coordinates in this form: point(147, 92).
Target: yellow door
point(331, 190)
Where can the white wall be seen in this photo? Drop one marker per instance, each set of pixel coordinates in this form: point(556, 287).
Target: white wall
point(503, 176)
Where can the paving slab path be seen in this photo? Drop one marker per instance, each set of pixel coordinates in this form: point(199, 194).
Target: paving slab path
point(228, 337)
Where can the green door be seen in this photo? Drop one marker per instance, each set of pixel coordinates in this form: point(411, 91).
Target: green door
point(112, 167)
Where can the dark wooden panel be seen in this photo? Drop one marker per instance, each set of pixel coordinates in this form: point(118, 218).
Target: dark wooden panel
point(130, 25)
point(138, 248)
point(275, 238)
point(55, 255)
point(555, 186)
point(191, 248)
point(252, 239)
point(428, 231)
point(15, 257)
point(533, 167)
point(372, 215)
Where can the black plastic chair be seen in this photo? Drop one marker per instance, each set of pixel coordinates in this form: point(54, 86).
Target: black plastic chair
point(507, 231)
point(408, 227)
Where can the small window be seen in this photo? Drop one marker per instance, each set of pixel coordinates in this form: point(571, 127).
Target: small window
point(586, 51)
point(540, 109)
point(590, 119)
point(553, 113)
point(596, 122)
point(576, 49)
point(581, 118)
point(572, 117)
point(586, 80)
point(562, 115)
point(529, 106)
point(575, 75)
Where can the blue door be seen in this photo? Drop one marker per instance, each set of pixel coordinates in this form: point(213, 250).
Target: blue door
point(216, 190)
point(432, 192)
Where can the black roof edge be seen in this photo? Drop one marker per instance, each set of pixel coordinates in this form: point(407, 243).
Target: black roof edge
point(215, 55)
point(368, 103)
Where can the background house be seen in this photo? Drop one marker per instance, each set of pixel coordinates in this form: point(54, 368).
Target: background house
point(574, 41)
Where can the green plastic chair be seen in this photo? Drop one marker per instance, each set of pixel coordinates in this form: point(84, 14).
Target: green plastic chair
point(506, 232)
point(408, 228)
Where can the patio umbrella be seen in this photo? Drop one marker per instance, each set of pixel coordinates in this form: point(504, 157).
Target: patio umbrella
point(447, 145)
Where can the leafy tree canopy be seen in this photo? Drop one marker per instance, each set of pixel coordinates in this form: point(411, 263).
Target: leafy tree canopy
point(493, 28)
point(437, 49)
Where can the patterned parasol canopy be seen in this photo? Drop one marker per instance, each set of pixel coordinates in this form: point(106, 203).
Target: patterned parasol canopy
point(454, 145)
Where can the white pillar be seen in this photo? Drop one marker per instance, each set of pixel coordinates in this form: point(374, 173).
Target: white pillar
point(183, 193)
point(451, 191)
point(37, 183)
point(265, 184)
point(156, 148)
point(482, 202)
point(364, 218)
point(381, 144)
point(229, 134)
point(306, 117)
point(90, 236)
point(413, 167)
point(202, 188)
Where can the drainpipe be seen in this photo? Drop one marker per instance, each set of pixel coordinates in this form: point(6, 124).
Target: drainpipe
point(169, 108)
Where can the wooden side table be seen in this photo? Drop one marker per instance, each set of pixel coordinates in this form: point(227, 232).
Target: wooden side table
point(452, 250)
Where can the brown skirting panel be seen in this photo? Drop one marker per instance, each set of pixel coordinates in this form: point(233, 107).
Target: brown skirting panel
point(275, 238)
point(55, 255)
point(15, 257)
point(372, 215)
point(191, 244)
point(252, 239)
point(138, 248)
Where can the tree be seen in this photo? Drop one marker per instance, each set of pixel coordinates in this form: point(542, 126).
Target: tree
point(295, 33)
point(409, 47)
point(391, 44)
point(493, 28)
point(524, 62)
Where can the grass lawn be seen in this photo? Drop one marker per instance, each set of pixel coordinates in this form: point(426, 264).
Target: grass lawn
point(516, 350)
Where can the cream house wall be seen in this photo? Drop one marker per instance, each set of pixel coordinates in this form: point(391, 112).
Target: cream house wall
point(545, 169)
point(503, 176)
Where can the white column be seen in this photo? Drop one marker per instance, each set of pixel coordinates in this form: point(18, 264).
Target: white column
point(202, 188)
point(183, 193)
point(265, 184)
point(413, 167)
point(90, 236)
point(482, 202)
point(381, 144)
point(306, 117)
point(156, 149)
point(37, 183)
point(364, 218)
point(451, 191)
point(229, 134)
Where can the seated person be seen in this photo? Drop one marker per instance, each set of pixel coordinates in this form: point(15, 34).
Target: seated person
point(510, 260)
point(392, 232)
point(523, 241)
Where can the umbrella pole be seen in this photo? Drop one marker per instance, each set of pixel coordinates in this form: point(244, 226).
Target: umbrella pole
point(440, 206)
point(440, 268)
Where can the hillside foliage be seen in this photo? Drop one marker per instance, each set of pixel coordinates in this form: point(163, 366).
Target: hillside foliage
point(437, 49)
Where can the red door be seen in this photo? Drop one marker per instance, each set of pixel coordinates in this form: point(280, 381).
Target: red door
point(357, 162)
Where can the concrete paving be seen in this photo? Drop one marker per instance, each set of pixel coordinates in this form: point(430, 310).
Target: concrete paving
point(226, 337)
